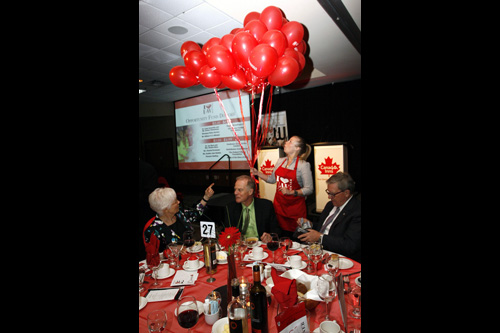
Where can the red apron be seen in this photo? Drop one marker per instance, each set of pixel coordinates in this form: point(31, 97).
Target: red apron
point(288, 208)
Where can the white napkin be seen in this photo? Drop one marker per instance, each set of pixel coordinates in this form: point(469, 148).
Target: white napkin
point(184, 278)
point(310, 281)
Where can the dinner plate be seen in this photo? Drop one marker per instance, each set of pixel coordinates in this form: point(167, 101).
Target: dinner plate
point(218, 326)
point(251, 258)
point(200, 265)
point(171, 272)
point(195, 250)
point(345, 263)
point(200, 308)
point(143, 302)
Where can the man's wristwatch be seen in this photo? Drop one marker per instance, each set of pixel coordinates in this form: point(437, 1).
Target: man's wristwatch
point(295, 193)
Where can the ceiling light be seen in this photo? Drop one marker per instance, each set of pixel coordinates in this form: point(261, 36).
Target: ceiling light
point(141, 91)
point(177, 30)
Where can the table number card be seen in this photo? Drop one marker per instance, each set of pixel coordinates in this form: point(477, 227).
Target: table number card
point(207, 229)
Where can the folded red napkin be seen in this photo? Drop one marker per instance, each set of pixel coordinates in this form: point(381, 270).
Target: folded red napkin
point(284, 290)
point(152, 255)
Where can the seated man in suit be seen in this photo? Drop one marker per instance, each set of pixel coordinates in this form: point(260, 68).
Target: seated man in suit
point(254, 217)
point(339, 226)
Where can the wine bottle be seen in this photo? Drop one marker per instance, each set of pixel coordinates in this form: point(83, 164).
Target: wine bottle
point(236, 311)
point(258, 304)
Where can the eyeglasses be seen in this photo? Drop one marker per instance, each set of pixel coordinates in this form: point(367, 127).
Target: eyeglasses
point(333, 194)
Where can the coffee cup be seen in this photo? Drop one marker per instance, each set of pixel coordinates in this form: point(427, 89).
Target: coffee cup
point(295, 261)
point(192, 262)
point(164, 269)
point(257, 253)
point(329, 327)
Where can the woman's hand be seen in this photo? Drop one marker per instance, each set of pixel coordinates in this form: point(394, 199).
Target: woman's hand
point(209, 192)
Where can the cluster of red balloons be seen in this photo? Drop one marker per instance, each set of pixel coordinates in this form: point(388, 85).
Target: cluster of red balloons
point(269, 49)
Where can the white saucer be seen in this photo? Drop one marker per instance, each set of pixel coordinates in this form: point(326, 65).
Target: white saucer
point(295, 246)
point(304, 265)
point(218, 326)
point(143, 302)
point(195, 250)
point(318, 331)
point(200, 308)
point(251, 258)
point(222, 262)
point(171, 272)
point(345, 263)
point(200, 265)
point(258, 243)
point(357, 281)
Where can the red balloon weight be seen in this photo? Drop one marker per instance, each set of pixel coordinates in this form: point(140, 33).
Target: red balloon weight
point(271, 16)
point(263, 60)
point(285, 73)
point(208, 78)
point(250, 17)
point(294, 32)
point(181, 77)
point(221, 60)
point(256, 29)
point(276, 39)
point(189, 46)
point(211, 42)
point(243, 44)
point(235, 81)
point(194, 60)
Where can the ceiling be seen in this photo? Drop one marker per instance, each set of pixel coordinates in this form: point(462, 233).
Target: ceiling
point(330, 57)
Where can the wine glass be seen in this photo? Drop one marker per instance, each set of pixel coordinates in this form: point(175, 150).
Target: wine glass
point(355, 298)
point(242, 246)
point(176, 249)
point(157, 320)
point(285, 243)
point(273, 244)
point(308, 251)
point(332, 266)
point(142, 274)
point(187, 312)
point(153, 262)
point(188, 238)
point(316, 254)
point(326, 290)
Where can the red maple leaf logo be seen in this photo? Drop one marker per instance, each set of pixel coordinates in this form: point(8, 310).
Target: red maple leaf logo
point(267, 168)
point(328, 168)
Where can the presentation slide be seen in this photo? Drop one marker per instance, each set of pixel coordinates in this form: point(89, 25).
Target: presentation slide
point(203, 134)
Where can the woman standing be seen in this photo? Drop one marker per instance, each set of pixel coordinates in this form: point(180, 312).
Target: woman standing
point(293, 178)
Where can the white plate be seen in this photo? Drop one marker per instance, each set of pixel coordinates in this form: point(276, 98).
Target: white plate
point(345, 263)
point(200, 308)
point(251, 258)
point(295, 246)
point(171, 272)
point(195, 249)
point(200, 265)
point(316, 330)
point(218, 326)
point(143, 302)
point(304, 265)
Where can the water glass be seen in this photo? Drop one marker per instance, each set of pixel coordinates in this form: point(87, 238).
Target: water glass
point(142, 274)
point(157, 320)
point(326, 290)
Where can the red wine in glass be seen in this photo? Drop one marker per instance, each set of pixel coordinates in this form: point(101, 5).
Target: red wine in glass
point(273, 246)
point(188, 318)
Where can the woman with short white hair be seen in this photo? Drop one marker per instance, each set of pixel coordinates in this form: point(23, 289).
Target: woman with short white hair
point(171, 220)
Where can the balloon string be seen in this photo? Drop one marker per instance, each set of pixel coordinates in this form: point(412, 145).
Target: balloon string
point(230, 123)
point(244, 125)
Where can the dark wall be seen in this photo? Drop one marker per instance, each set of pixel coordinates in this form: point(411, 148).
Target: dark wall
point(330, 113)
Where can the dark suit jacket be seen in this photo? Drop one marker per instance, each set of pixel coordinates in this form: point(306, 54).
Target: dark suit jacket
point(344, 236)
point(264, 216)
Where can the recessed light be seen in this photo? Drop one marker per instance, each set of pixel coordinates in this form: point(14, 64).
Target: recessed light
point(177, 30)
point(141, 91)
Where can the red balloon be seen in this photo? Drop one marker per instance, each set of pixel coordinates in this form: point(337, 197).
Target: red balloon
point(181, 77)
point(235, 81)
point(236, 30)
point(194, 60)
point(250, 17)
point(211, 42)
point(297, 56)
point(302, 47)
point(256, 29)
point(208, 78)
point(227, 41)
point(294, 32)
point(243, 44)
point(263, 60)
point(285, 73)
point(276, 39)
point(271, 16)
point(221, 60)
point(189, 46)
point(253, 80)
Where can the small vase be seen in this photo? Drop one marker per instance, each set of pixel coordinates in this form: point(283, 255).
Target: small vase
point(231, 273)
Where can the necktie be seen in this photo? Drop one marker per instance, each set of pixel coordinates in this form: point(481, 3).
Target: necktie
point(329, 220)
point(246, 221)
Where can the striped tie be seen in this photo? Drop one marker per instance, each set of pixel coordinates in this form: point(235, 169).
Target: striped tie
point(329, 220)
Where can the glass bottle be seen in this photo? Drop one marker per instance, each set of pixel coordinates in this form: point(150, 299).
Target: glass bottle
point(258, 304)
point(210, 257)
point(236, 311)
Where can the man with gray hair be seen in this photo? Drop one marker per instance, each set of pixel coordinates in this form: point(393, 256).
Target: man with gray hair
point(339, 226)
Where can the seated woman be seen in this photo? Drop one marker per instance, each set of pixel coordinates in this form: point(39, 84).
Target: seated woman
point(170, 222)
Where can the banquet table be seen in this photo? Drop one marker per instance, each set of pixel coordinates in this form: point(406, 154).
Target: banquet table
point(202, 288)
